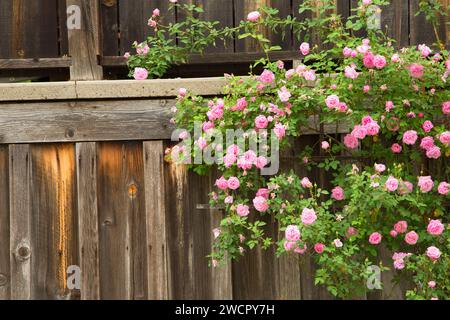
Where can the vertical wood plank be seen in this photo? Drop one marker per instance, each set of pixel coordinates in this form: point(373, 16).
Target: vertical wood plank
point(109, 12)
point(20, 221)
point(4, 224)
point(84, 43)
point(86, 155)
point(123, 262)
point(5, 29)
point(134, 17)
point(421, 31)
point(63, 34)
point(395, 18)
point(157, 264)
point(54, 227)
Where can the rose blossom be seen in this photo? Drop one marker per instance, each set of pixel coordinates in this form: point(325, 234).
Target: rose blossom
point(201, 142)
point(318, 247)
point(337, 243)
point(261, 122)
point(306, 183)
point(347, 52)
point(427, 143)
point(444, 138)
point(446, 107)
point(359, 132)
point(351, 142)
point(308, 216)
point(425, 183)
point(279, 130)
point(222, 183)
point(444, 188)
point(405, 187)
point(379, 61)
point(411, 238)
point(260, 204)
point(380, 167)
point(367, 2)
point(401, 226)
point(416, 70)
point(140, 74)
point(233, 183)
point(435, 227)
point(325, 145)
point(433, 153)
point(261, 162)
point(432, 284)
point(427, 126)
point(395, 58)
point(393, 233)
point(301, 250)
point(127, 55)
point(389, 106)
point(228, 200)
point(351, 73)
point(267, 77)
point(369, 60)
point(289, 245)
point(309, 75)
point(375, 238)
point(242, 210)
point(292, 233)
point(399, 264)
point(410, 137)
point(253, 16)
point(391, 184)
point(351, 231)
point(332, 101)
point(304, 48)
point(263, 192)
point(396, 148)
point(229, 159)
point(284, 94)
point(338, 193)
point(433, 253)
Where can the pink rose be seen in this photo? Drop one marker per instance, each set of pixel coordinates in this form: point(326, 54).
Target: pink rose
point(433, 253)
point(347, 52)
point(389, 106)
point(301, 250)
point(228, 200)
point(263, 192)
point(332, 101)
point(379, 61)
point(306, 183)
point(399, 264)
point(444, 188)
point(391, 184)
point(401, 226)
point(446, 107)
point(325, 145)
point(395, 58)
point(140, 74)
point(233, 149)
point(375, 238)
point(308, 216)
point(304, 48)
point(351, 142)
point(432, 284)
point(359, 132)
point(411, 238)
point(267, 77)
point(233, 183)
point(351, 231)
point(416, 70)
point(127, 55)
point(433, 153)
point(396, 148)
point(369, 60)
point(405, 187)
point(279, 130)
point(338, 243)
point(427, 143)
point(261, 162)
point(284, 94)
point(380, 167)
point(435, 227)
point(222, 183)
point(338, 193)
point(393, 233)
point(292, 233)
point(260, 204)
point(424, 50)
point(351, 73)
point(202, 143)
point(289, 245)
point(367, 2)
point(410, 137)
point(261, 122)
point(229, 159)
point(319, 247)
point(425, 184)
point(427, 126)
point(253, 16)
point(242, 210)
point(444, 138)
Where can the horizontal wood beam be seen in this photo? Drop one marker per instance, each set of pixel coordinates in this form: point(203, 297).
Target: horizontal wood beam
point(104, 120)
point(38, 63)
point(115, 61)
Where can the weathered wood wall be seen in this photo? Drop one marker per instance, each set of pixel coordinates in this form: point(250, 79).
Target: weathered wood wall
point(33, 34)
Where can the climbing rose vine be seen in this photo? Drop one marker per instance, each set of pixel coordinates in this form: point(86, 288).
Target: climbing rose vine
point(391, 197)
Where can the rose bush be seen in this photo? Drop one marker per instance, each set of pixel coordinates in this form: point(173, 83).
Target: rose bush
point(395, 104)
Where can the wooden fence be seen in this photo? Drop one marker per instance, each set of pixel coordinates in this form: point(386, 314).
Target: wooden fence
point(34, 35)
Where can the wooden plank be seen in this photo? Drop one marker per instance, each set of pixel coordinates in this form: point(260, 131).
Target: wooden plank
point(38, 91)
point(5, 29)
point(109, 11)
point(86, 157)
point(54, 227)
point(84, 43)
point(85, 121)
point(343, 9)
point(123, 262)
point(20, 222)
point(157, 241)
point(421, 31)
point(37, 63)
point(395, 19)
point(180, 231)
point(134, 17)
point(4, 224)
point(63, 35)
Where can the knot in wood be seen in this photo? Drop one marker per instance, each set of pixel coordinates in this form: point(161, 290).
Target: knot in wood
point(23, 252)
point(132, 190)
point(3, 280)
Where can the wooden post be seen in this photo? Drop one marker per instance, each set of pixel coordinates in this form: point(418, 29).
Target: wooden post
point(84, 39)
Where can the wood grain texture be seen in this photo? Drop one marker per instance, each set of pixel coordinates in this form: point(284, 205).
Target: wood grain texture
point(156, 222)
point(421, 31)
point(36, 63)
point(85, 121)
point(86, 157)
point(21, 250)
point(54, 226)
point(395, 20)
point(84, 43)
point(109, 12)
point(4, 225)
point(123, 262)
